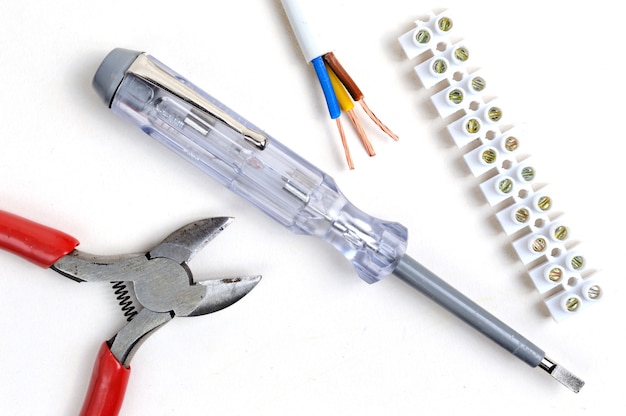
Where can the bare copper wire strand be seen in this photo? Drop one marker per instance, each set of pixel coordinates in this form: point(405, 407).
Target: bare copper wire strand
point(377, 121)
point(344, 142)
point(355, 92)
point(361, 132)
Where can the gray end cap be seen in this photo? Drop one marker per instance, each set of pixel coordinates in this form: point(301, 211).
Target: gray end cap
point(111, 72)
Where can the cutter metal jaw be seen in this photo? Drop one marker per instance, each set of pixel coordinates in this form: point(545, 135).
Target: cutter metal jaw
point(161, 280)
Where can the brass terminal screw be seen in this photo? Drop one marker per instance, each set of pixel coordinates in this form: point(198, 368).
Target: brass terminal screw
point(489, 156)
point(578, 262)
point(561, 232)
point(456, 96)
point(511, 143)
point(539, 245)
point(440, 66)
point(505, 186)
point(478, 84)
point(522, 215)
point(461, 54)
point(472, 126)
point(594, 292)
point(555, 274)
point(445, 24)
point(572, 304)
point(528, 173)
point(544, 203)
point(494, 114)
point(422, 37)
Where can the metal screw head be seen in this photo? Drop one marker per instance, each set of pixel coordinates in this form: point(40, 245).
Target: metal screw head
point(494, 114)
point(505, 186)
point(478, 84)
point(528, 173)
point(539, 245)
point(472, 126)
point(522, 215)
point(440, 66)
point(572, 304)
point(544, 203)
point(445, 24)
point(577, 262)
point(511, 143)
point(461, 54)
point(455, 96)
point(489, 156)
point(594, 292)
point(561, 232)
point(422, 36)
point(555, 274)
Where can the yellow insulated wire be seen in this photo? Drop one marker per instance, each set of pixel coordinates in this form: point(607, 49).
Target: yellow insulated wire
point(345, 101)
point(346, 104)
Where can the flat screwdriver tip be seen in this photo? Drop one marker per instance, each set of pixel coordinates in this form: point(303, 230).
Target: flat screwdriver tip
point(562, 375)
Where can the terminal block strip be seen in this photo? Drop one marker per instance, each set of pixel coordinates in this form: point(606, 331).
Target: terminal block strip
point(541, 237)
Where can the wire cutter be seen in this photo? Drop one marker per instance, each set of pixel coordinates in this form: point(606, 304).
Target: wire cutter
point(160, 280)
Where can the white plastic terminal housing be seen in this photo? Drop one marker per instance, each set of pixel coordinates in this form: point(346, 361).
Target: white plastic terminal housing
point(442, 66)
point(540, 237)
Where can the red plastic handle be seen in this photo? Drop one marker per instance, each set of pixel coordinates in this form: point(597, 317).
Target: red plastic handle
point(107, 387)
point(35, 242)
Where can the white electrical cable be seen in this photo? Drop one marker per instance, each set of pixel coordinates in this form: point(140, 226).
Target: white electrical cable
point(304, 17)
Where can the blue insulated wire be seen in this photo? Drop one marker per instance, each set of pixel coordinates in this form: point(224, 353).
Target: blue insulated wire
point(327, 87)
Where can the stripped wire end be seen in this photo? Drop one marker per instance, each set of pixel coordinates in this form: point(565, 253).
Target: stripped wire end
point(377, 121)
point(361, 132)
point(346, 149)
point(355, 92)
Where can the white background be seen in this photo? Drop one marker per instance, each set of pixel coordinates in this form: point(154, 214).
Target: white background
point(311, 338)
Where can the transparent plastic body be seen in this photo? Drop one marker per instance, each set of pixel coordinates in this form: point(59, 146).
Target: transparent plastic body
point(282, 184)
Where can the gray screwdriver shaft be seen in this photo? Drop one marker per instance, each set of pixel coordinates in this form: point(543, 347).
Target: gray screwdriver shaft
point(422, 279)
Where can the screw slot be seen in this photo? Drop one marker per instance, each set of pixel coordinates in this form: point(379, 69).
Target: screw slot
point(572, 304)
point(445, 24)
point(505, 186)
point(577, 262)
point(461, 54)
point(555, 274)
point(478, 84)
point(489, 156)
point(561, 233)
point(472, 126)
point(544, 203)
point(511, 143)
point(439, 66)
point(527, 173)
point(494, 114)
point(522, 215)
point(539, 245)
point(422, 37)
point(594, 292)
point(456, 96)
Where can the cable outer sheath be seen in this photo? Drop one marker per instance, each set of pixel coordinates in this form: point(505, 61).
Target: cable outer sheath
point(420, 278)
point(303, 16)
point(108, 384)
point(36, 243)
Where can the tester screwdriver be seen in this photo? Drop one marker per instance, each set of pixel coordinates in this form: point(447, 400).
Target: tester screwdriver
point(292, 191)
